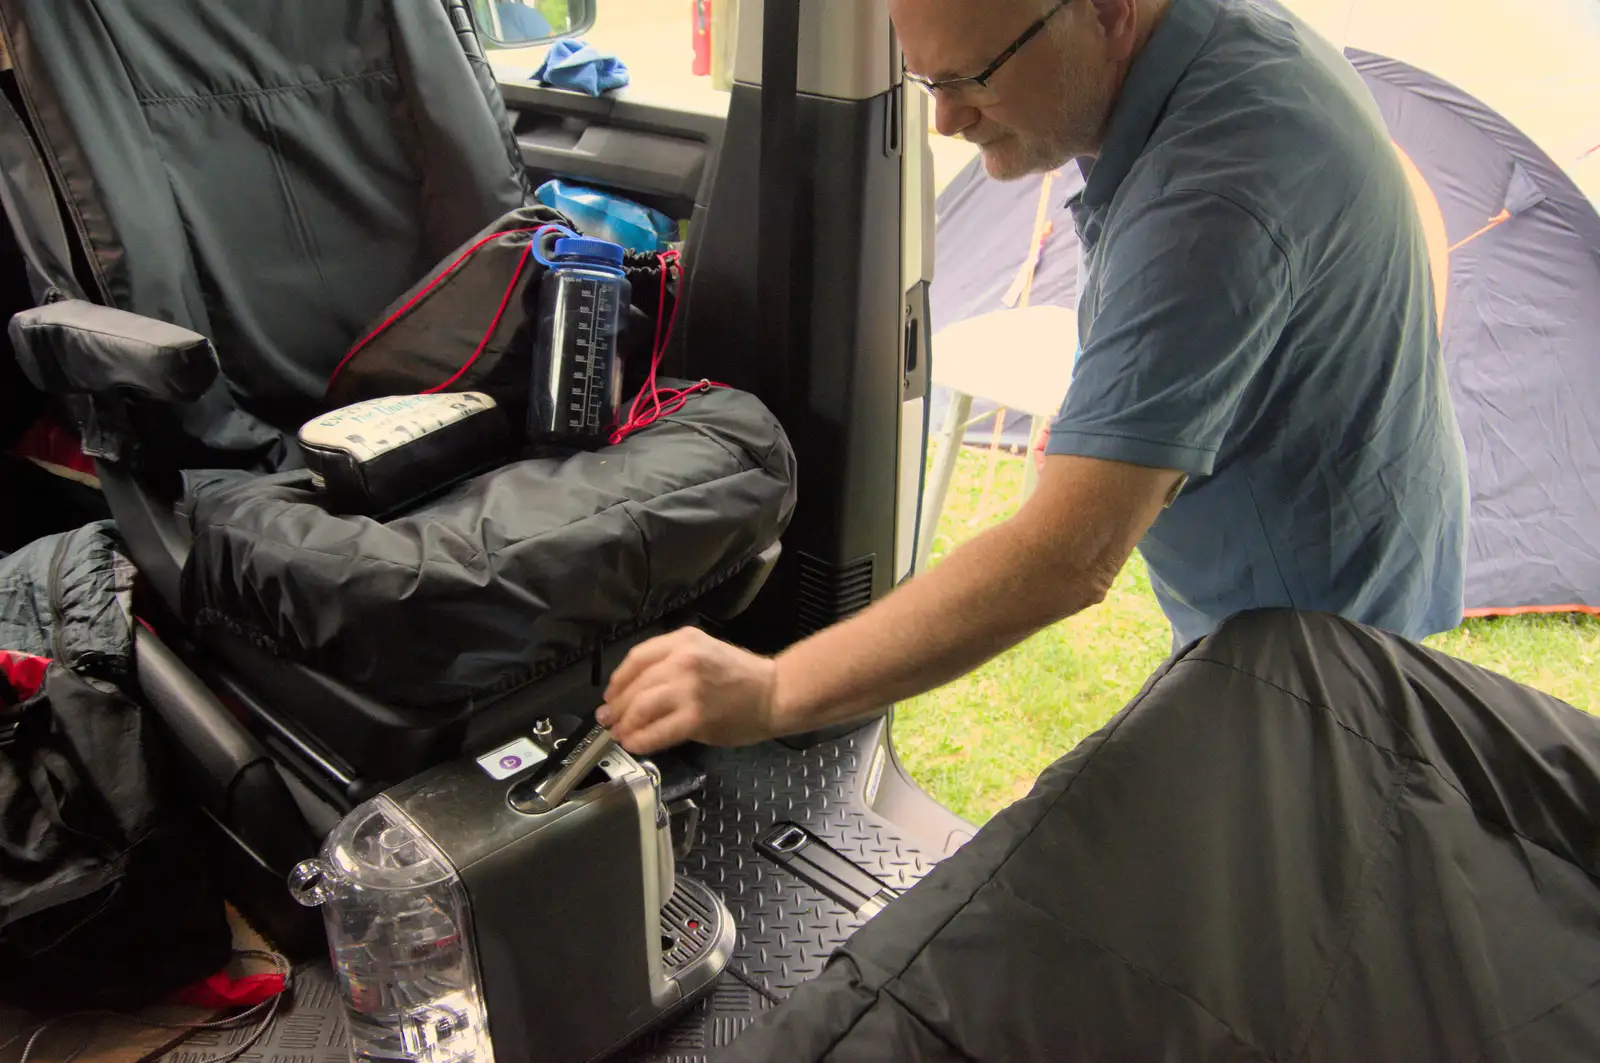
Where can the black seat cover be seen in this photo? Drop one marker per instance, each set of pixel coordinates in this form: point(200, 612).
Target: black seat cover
point(268, 175)
point(271, 176)
point(506, 577)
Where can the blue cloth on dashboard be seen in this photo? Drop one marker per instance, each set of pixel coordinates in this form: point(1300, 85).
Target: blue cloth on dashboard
point(581, 67)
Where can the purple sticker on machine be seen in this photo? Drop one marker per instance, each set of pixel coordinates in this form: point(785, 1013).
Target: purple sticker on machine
point(511, 758)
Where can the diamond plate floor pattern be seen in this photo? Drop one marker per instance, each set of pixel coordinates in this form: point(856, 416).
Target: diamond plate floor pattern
point(787, 930)
point(309, 1030)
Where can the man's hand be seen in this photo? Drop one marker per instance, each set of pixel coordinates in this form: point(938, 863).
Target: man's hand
point(687, 686)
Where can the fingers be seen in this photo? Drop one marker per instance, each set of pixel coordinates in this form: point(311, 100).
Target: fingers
point(665, 715)
point(674, 729)
point(639, 659)
point(640, 709)
point(682, 687)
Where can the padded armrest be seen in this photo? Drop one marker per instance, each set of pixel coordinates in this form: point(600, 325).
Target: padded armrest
point(78, 347)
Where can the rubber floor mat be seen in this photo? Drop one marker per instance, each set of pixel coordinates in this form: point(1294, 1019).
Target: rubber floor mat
point(308, 1029)
point(787, 929)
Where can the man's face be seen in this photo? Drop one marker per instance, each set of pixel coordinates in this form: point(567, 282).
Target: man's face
point(1048, 104)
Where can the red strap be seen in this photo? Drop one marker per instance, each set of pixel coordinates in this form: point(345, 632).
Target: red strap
point(415, 299)
point(505, 300)
point(24, 672)
point(49, 441)
point(224, 991)
point(668, 402)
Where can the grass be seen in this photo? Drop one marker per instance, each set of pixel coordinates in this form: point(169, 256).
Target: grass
point(978, 744)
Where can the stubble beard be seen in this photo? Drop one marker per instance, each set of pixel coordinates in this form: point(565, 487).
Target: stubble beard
point(1072, 130)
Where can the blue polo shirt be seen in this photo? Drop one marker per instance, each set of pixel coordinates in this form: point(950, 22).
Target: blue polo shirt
point(1258, 313)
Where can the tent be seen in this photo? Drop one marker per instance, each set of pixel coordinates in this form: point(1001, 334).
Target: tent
point(1515, 240)
point(1517, 246)
point(983, 240)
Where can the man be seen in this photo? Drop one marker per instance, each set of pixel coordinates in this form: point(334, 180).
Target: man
point(1259, 401)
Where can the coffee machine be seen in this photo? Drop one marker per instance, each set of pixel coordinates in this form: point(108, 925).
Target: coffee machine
point(518, 905)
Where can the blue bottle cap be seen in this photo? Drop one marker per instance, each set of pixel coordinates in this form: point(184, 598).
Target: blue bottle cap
point(601, 252)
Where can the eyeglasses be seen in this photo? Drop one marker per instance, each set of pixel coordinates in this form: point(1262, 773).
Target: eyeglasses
point(974, 91)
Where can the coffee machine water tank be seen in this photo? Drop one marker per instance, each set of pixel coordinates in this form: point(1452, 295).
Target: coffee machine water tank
point(399, 935)
point(526, 894)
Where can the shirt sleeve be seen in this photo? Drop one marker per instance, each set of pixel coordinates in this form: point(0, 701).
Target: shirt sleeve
point(1193, 295)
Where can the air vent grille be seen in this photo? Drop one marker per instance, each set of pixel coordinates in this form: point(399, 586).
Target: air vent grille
point(828, 593)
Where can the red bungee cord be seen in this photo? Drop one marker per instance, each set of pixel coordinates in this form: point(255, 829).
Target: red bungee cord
point(661, 402)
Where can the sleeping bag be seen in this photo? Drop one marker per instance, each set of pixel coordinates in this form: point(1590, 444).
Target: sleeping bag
point(1304, 840)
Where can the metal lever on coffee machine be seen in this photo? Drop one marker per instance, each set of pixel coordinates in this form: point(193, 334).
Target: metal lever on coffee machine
point(654, 772)
point(545, 792)
point(664, 854)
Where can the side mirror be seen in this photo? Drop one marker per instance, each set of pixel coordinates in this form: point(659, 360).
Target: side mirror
point(523, 23)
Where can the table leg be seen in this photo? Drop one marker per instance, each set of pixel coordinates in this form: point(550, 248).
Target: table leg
point(944, 467)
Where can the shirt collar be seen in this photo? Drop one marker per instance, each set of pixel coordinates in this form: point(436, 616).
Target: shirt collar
point(1151, 80)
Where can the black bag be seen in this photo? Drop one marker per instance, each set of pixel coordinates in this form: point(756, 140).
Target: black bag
point(106, 899)
point(463, 326)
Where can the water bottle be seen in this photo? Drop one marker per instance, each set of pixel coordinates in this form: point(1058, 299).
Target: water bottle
point(400, 939)
point(580, 311)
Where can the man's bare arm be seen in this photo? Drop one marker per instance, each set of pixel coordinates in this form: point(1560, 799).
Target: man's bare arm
point(1056, 557)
